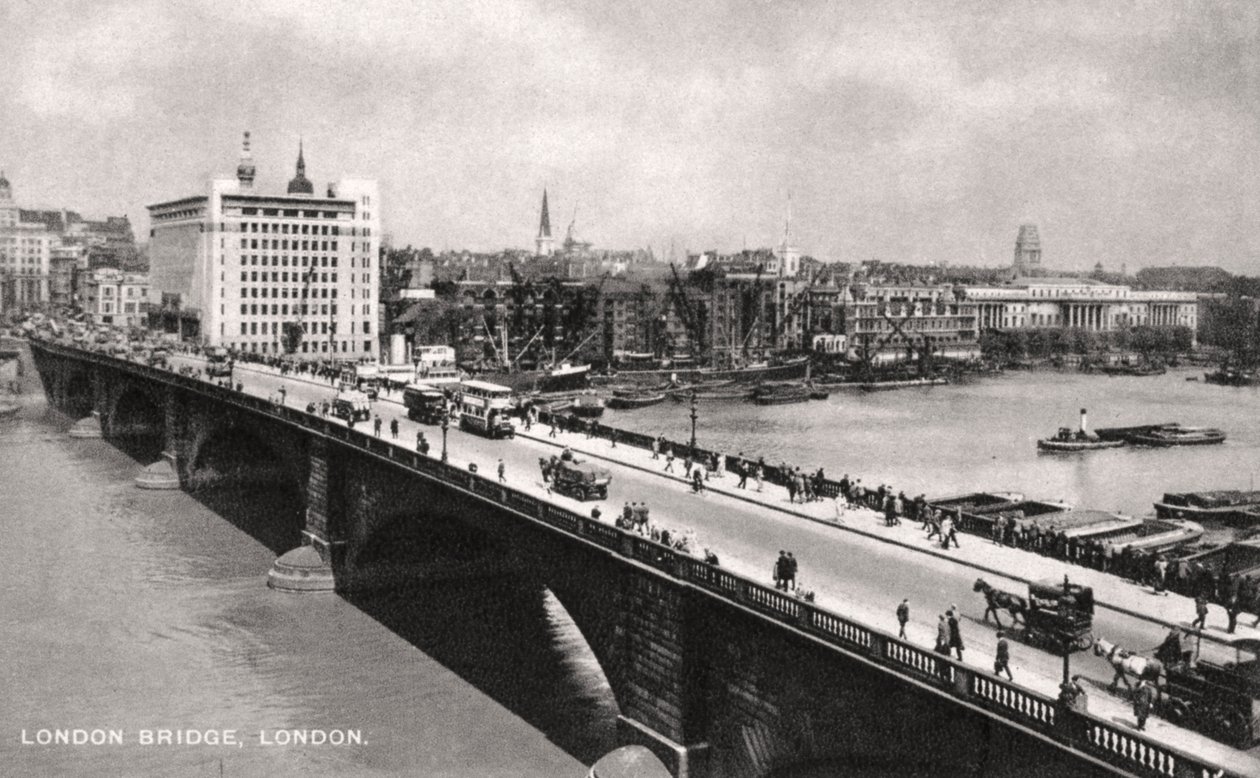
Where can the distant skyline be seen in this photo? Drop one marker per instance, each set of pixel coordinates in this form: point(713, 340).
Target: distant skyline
point(1128, 132)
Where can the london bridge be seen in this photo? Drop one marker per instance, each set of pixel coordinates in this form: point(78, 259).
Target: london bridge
point(715, 669)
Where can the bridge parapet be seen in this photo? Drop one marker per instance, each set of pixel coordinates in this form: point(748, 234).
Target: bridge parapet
point(681, 577)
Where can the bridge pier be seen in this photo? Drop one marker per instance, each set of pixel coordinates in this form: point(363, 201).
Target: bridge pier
point(88, 427)
point(309, 567)
point(162, 474)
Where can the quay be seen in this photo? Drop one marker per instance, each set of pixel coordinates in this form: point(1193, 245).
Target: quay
point(712, 667)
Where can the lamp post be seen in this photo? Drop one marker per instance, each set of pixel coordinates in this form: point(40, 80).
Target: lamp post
point(693, 422)
point(446, 423)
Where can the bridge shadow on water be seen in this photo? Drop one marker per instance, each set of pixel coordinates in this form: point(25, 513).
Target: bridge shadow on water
point(504, 634)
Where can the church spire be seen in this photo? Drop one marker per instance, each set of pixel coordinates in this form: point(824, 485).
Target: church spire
point(300, 184)
point(543, 244)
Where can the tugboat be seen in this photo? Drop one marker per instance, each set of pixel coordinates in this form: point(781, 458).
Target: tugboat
point(1082, 439)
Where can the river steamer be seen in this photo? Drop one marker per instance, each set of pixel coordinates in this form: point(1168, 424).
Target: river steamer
point(790, 369)
point(1229, 376)
point(588, 406)
point(563, 378)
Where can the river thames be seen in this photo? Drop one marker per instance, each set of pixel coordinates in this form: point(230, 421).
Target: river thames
point(982, 435)
point(138, 611)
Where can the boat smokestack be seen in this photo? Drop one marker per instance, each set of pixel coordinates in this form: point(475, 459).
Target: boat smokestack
point(1084, 422)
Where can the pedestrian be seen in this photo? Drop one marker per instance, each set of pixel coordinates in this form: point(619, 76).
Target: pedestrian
point(697, 481)
point(952, 535)
point(595, 513)
point(780, 566)
point(612, 436)
point(555, 422)
point(376, 425)
point(1232, 609)
point(741, 469)
point(656, 448)
point(955, 632)
point(791, 489)
point(791, 572)
point(669, 460)
point(1002, 659)
point(947, 526)
point(1201, 612)
point(687, 465)
point(1143, 699)
point(942, 635)
point(903, 616)
point(502, 472)
point(760, 476)
point(393, 428)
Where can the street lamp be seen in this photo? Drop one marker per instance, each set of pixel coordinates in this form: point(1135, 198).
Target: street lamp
point(446, 423)
point(693, 422)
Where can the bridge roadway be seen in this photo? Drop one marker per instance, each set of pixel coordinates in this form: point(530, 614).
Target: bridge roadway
point(853, 573)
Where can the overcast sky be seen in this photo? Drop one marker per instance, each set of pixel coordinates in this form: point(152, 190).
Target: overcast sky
point(917, 131)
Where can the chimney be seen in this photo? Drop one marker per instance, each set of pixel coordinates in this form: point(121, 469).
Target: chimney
point(1084, 422)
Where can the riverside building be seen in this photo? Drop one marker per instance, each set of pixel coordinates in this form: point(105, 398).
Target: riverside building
point(237, 267)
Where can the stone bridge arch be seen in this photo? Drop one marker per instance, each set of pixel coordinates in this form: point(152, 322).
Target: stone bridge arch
point(236, 448)
point(78, 393)
point(136, 410)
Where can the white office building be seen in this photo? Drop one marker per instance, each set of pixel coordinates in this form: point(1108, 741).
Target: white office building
point(234, 266)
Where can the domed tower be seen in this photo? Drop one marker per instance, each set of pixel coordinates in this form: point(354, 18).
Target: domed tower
point(245, 170)
point(299, 184)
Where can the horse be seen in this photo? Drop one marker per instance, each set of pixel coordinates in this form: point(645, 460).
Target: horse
point(1128, 663)
point(999, 600)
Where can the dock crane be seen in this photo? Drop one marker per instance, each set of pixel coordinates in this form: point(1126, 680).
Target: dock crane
point(685, 311)
point(294, 331)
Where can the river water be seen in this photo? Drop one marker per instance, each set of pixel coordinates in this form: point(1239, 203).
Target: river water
point(981, 436)
point(131, 610)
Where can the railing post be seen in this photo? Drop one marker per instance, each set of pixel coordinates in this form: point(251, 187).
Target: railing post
point(877, 645)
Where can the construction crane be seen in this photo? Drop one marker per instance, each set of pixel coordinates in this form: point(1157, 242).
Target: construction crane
point(293, 331)
point(761, 267)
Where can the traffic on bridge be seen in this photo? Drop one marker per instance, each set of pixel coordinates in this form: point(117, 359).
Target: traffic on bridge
point(846, 558)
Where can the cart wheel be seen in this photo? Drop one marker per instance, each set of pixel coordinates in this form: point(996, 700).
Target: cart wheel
point(1177, 711)
point(1236, 728)
point(1084, 642)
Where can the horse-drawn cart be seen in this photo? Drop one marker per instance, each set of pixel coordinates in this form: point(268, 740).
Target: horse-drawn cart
point(1053, 615)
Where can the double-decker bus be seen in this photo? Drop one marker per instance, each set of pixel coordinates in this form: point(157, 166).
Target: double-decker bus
point(483, 408)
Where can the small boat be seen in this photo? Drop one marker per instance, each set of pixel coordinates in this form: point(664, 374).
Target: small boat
point(1229, 376)
point(780, 394)
point(1126, 369)
point(631, 400)
point(883, 386)
point(589, 406)
point(1228, 506)
point(818, 394)
point(1177, 435)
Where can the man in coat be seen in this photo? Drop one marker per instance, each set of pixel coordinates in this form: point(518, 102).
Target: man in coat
point(903, 615)
point(1143, 701)
point(955, 633)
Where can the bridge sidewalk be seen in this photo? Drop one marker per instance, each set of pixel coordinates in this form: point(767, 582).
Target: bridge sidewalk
point(980, 553)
